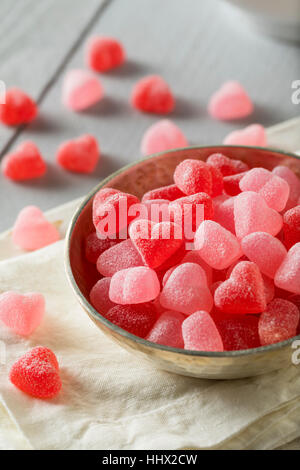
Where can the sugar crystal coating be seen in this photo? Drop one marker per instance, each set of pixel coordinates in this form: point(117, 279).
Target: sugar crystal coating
point(167, 330)
point(99, 296)
point(22, 313)
point(156, 242)
point(134, 286)
point(19, 108)
point(227, 166)
point(288, 275)
point(162, 136)
point(36, 373)
point(170, 193)
point(186, 290)
point(224, 212)
point(271, 187)
point(95, 246)
point(152, 94)
point(137, 319)
point(81, 89)
point(278, 322)
point(252, 214)
point(25, 163)
point(120, 256)
point(200, 333)
point(291, 226)
point(243, 292)
point(193, 176)
point(79, 155)
point(266, 251)
point(104, 53)
point(293, 181)
point(231, 101)
point(32, 231)
point(238, 332)
point(232, 184)
point(218, 247)
point(190, 211)
point(111, 211)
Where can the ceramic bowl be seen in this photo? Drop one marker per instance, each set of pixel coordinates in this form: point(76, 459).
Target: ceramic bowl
point(137, 178)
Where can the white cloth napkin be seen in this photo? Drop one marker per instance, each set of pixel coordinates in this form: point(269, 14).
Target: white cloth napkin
point(113, 400)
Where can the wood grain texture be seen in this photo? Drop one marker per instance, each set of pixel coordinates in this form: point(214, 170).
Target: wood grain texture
point(196, 46)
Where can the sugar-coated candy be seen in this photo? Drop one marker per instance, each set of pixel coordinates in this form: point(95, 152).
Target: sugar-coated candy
point(224, 212)
point(37, 373)
point(94, 246)
point(269, 288)
point(231, 101)
point(288, 275)
point(193, 176)
point(227, 166)
point(157, 209)
point(104, 53)
point(278, 322)
point(243, 292)
point(173, 260)
point(19, 108)
point(152, 94)
point(238, 331)
point(25, 163)
point(271, 187)
point(134, 286)
point(81, 89)
point(170, 193)
point(232, 184)
point(155, 242)
point(167, 330)
point(291, 226)
point(120, 256)
point(266, 251)
point(252, 214)
point(190, 211)
point(200, 333)
point(137, 319)
point(162, 136)
point(293, 181)
point(80, 155)
point(217, 181)
point(32, 230)
point(99, 296)
point(111, 211)
point(218, 247)
point(194, 257)
point(186, 290)
point(22, 313)
point(253, 135)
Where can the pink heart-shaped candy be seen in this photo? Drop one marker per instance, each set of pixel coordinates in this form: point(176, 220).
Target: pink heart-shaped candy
point(253, 135)
point(22, 313)
point(81, 89)
point(32, 230)
point(230, 102)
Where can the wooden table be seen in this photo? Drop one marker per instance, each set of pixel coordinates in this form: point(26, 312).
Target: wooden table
point(195, 45)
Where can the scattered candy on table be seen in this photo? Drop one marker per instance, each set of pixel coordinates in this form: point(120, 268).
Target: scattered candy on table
point(25, 163)
point(254, 135)
point(104, 53)
point(162, 136)
point(22, 313)
point(19, 108)
point(81, 89)
point(231, 101)
point(80, 155)
point(152, 94)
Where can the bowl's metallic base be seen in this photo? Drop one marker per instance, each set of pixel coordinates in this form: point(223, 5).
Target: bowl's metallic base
point(136, 179)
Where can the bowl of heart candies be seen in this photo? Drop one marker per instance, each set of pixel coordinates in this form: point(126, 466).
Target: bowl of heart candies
point(191, 259)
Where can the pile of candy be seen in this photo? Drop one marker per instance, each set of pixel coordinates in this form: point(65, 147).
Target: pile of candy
point(231, 282)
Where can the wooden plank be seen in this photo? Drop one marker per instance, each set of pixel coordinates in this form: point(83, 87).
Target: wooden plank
point(35, 39)
point(196, 46)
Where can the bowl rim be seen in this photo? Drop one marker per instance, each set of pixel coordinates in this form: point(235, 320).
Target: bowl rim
point(149, 344)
